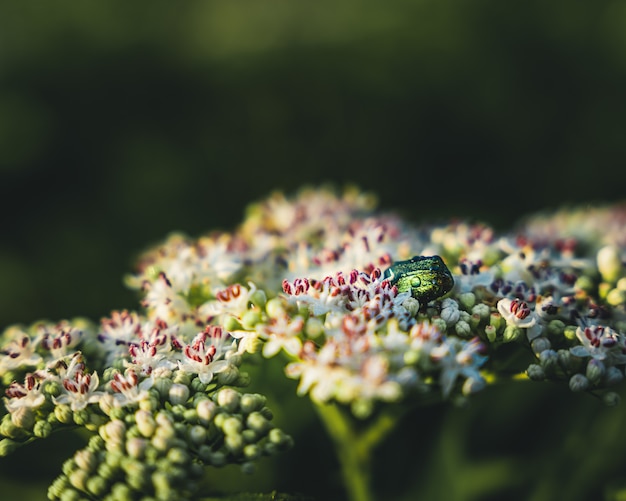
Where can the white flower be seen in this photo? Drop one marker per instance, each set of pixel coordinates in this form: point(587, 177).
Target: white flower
point(459, 358)
point(127, 390)
point(80, 390)
point(601, 343)
point(282, 333)
point(19, 352)
point(517, 313)
point(203, 355)
point(27, 395)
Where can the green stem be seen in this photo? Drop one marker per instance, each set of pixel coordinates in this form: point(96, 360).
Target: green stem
point(354, 444)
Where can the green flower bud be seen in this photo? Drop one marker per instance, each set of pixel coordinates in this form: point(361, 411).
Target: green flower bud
point(275, 308)
point(220, 418)
point(7, 446)
point(247, 468)
point(136, 447)
point(181, 377)
point(540, 344)
point(58, 486)
point(161, 484)
point(613, 376)
point(118, 413)
point(229, 376)
point(467, 300)
point(106, 471)
point(161, 443)
point(206, 411)
point(70, 494)
point(145, 423)
point(512, 333)
point(23, 417)
point(475, 321)
point(267, 413)
point(258, 423)
point(463, 329)
point(234, 443)
point(113, 431)
point(250, 319)
point(64, 414)
point(178, 456)
point(556, 328)
point(548, 360)
point(96, 443)
point(314, 327)
point(197, 434)
point(52, 388)
point(218, 458)
point(97, 486)
point(121, 492)
point(616, 297)
point(232, 426)
point(439, 323)
point(578, 382)
point(178, 394)
point(411, 304)
point(535, 372)
point(496, 320)
point(595, 371)
point(482, 310)
point(86, 460)
point(278, 437)
point(491, 333)
point(258, 298)
point(251, 402)
point(570, 332)
point(9, 429)
point(249, 436)
point(42, 429)
point(228, 399)
point(204, 453)
point(78, 478)
point(609, 263)
point(611, 399)
point(81, 417)
point(232, 324)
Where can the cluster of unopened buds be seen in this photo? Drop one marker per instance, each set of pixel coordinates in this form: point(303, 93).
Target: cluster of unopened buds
point(360, 322)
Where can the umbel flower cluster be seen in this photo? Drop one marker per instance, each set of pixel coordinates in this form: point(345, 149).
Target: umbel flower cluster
point(311, 278)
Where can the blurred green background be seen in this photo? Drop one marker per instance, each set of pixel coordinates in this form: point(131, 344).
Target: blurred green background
point(123, 121)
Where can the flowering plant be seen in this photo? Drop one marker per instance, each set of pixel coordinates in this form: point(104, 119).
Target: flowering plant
point(315, 279)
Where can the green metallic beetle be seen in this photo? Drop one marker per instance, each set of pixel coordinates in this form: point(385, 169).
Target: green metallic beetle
point(427, 277)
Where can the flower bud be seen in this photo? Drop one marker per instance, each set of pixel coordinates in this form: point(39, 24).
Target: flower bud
point(578, 382)
point(314, 327)
point(611, 399)
point(96, 485)
point(78, 479)
point(616, 297)
point(463, 329)
point(613, 376)
point(206, 411)
point(609, 263)
point(232, 426)
point(197, 434)
point(482, 310)
point(234, 443)
point(275, 308)
point(42, 429)
point(86, 460)
point(491, 333)
point(81, 417)
point(540, 344)
point(23, 417)
point(556, 328)
point(231, 324)
point(229, 376)
point(145, 422)
point(570, 332)
point(251, 402)
point(7, 446)
point(63, 413)
point(595, 371)
point(411, 305)
point(511, 333)
point(178, 456)
point(250, 319)
point(136, 447)
point(228, 399)
point(178, 394)
point(257, 422)
point(113, 431)
point(218, 458)
point(467, 300)
point(535, 372)
point(548, 360)
point(496, 320)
